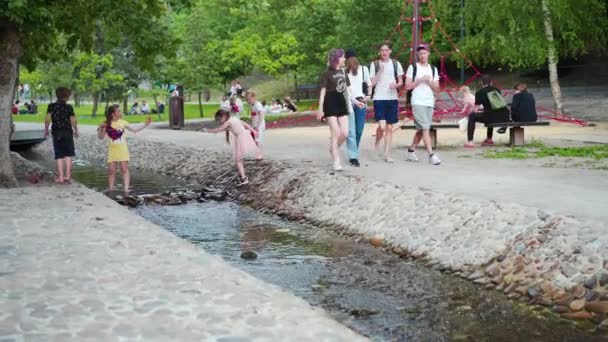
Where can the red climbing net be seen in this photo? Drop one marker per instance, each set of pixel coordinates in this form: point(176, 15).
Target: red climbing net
point(447, 105)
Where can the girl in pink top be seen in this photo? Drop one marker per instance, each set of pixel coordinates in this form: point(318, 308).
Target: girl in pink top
point(468, 100)
point(238, 132)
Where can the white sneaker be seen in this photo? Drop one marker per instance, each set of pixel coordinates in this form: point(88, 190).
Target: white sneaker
point(434, 160)
point(337, 167)
point(412, 157)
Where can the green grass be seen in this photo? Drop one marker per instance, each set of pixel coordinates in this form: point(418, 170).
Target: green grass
point(83, 113)
point(596, 152)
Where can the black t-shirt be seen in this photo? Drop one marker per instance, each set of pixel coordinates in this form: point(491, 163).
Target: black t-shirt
point(61, 113)
point(492, 115)
point(334, 80)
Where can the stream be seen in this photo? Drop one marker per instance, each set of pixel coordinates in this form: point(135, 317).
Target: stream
point(370, 290)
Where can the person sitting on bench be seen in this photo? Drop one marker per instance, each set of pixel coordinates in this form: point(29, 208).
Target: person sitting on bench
point(494, 110)
point(523, 107)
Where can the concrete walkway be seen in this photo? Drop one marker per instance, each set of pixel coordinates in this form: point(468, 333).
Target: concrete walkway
point(75, 266)
point(570, 191)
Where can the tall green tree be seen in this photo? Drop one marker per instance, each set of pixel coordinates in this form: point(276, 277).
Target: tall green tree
point(528, 34)
point(30, 31)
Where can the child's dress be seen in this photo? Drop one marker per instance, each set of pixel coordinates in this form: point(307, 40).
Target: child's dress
point(242, 142)
point(117, 147)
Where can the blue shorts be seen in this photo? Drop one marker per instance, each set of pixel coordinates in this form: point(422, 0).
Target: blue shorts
point(387, 110)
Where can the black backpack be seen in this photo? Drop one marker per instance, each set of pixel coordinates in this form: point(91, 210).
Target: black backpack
point(415, 69)
point(377, 67)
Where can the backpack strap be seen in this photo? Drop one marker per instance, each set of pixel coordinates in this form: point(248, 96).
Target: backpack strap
point(414, 70)
point(395, 69)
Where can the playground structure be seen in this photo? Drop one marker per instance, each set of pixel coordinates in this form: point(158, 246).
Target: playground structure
point(447, 105)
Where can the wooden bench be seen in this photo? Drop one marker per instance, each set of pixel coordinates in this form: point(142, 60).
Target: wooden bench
point(516, 130)
point(433, 130)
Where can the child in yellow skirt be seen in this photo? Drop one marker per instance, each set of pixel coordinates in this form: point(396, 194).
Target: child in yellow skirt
point(114, 128)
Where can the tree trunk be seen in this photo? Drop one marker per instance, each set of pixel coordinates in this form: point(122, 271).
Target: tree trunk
point(552, 58)
point(95, 103)
point(10, 51)
point(200, 103)
point(76, 99)
point(125, 104)
point(156, 105)
point(295, 81)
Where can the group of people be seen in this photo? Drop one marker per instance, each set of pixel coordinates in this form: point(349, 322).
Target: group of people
point(61, 119)
point(145, 108)
point(27, 108)
point(347, 87)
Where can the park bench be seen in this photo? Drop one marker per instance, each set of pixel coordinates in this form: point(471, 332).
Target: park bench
point(433, 130)
point(516, 130)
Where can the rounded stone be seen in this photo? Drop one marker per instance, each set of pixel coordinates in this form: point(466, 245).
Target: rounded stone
point(578, 291)
point(376, 241)
point(580, 315)
point(534, 292)
point(578, 304)
point(249, 255)
point(600, 307)
point(560, 309)
point(591, 296)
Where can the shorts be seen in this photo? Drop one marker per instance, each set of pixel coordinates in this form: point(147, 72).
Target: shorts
point(387, 110)
point(63, 144)
point(423, 117)
point(334, 104)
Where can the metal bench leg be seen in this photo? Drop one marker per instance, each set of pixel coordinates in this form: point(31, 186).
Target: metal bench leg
point(516, 136)
point(433, 133)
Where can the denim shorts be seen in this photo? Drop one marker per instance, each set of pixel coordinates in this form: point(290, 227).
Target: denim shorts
point(387, 110)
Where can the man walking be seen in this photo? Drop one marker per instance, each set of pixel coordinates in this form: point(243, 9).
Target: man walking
point(387, 77)
point(423, 81)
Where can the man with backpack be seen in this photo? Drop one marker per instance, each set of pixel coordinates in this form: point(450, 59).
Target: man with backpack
point(386, 78)
point(494, 110)
point(422, 80)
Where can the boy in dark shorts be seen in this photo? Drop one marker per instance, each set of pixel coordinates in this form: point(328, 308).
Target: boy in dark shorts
point(60, 115)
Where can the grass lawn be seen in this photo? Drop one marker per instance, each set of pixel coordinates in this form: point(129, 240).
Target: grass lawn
point(536, 149)
point(83, 113)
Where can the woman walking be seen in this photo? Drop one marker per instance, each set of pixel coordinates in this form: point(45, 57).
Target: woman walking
point(335, 103)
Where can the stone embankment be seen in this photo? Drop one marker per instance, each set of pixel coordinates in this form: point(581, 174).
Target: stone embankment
point(531, 255)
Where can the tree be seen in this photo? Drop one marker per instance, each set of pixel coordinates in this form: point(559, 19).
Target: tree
point(530, 34)
point(95, 75)
point(31, 29)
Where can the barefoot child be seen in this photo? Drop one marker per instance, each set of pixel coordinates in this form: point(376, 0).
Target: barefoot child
point(258, 121)
point(118, 153)
point(243, 143)
point(64, 129)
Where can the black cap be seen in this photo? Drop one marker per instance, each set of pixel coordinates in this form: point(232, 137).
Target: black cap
point(350, 53)
point(422, 47)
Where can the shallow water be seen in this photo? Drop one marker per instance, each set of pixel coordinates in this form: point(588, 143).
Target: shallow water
point(370, 290)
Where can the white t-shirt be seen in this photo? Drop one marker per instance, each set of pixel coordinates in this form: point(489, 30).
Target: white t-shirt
point(382, 90)
point(423, 94)
point(145, 108)
point(257, 111)
point(356, 82)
